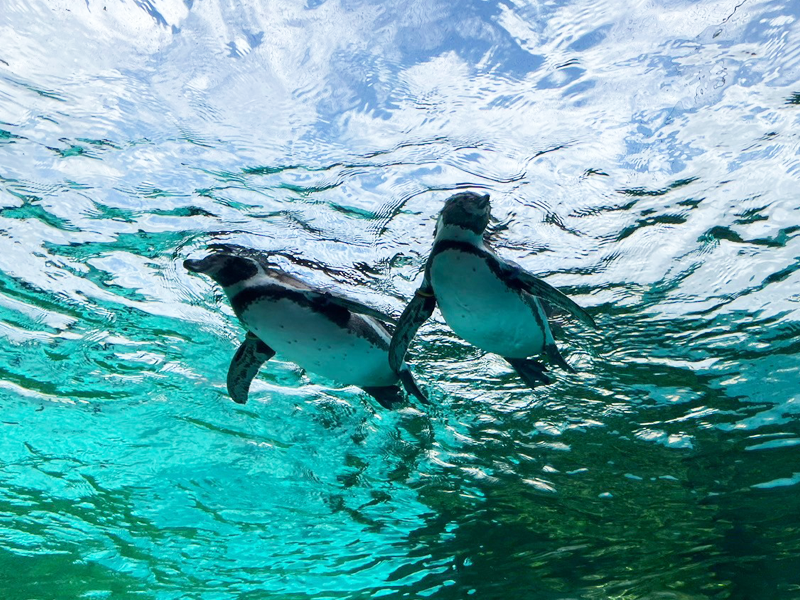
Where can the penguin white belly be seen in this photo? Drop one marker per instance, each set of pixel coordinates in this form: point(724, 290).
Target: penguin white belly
point(481, 308)
point(317, 344)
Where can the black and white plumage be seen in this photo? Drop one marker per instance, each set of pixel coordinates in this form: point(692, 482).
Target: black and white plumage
point(322, 332)
point(490, 302)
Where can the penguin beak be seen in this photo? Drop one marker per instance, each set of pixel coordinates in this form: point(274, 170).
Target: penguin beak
point(195, 266)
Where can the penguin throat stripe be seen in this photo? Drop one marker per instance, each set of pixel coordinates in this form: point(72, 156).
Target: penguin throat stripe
point(257, 293)
point(337, 314)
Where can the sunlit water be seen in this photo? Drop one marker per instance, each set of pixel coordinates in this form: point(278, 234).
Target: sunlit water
point(642, 156)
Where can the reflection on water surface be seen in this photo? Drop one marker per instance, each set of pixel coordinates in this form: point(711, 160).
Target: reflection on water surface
point(643, 158)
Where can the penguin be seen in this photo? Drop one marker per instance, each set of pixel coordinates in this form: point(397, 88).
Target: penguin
point(488, 301)
point(322, 332)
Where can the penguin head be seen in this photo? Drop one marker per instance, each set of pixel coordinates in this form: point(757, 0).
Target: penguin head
point(224, 268)
point(466, 211)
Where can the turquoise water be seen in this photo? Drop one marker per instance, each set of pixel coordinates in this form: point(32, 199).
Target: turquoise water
point(643, 157)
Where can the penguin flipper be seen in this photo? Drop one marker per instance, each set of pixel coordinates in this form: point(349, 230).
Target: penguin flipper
point(531, 371)
point(518, 277)
point(388, 396)
point(245, 364)
point(415, 314)
point(410, 384)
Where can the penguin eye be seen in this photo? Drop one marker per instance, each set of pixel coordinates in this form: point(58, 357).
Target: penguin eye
point(236, 269)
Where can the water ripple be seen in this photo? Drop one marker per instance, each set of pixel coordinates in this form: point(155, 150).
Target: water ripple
point(643, 158)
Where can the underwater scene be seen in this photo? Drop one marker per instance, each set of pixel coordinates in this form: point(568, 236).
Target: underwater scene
point(641, 158)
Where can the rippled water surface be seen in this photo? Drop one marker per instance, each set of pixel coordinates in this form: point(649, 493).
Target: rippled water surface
point(643, 157)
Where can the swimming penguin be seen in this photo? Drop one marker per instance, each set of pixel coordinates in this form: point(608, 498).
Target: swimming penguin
point(322, 332)
point(492, 303)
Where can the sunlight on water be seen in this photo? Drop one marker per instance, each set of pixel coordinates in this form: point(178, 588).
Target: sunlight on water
point(643, 157)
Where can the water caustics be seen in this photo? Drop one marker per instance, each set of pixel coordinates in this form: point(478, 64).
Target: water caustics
point(643, 158)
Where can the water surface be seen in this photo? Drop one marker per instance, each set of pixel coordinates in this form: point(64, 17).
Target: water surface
point(643, 158)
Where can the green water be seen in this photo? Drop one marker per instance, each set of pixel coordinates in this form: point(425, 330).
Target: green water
point(642, 158)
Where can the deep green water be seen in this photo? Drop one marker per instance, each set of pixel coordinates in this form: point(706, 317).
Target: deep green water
point(644, 157)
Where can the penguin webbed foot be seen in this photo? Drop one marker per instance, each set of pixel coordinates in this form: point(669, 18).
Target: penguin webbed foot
point(555, 357)
point(531, 371)
point(388, 396)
